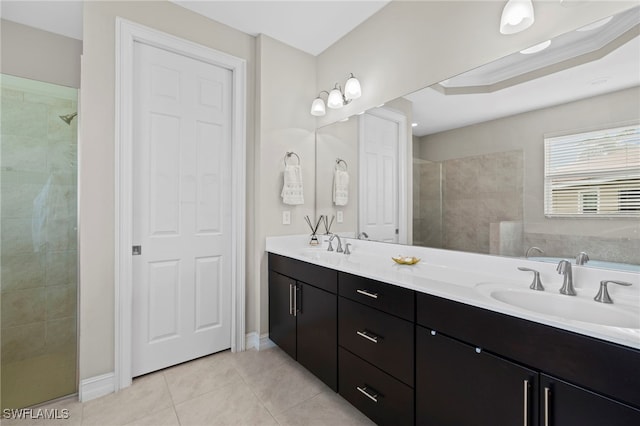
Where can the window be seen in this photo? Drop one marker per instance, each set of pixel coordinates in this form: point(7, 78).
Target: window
point(593, 174)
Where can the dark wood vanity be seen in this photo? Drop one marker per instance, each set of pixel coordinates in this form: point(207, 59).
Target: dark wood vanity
point(404, 357)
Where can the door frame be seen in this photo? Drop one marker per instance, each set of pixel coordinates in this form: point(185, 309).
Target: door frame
point(401, 120)
point(127, 33)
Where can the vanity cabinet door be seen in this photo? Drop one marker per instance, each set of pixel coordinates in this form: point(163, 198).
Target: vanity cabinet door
point(563, 404)
point(282, 322)
point(458, 384)
point(317, 337)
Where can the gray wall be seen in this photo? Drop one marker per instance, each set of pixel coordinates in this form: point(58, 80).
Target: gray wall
point(40, 55)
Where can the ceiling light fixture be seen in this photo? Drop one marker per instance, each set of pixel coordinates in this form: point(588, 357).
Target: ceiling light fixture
point(517, 16)
point(336, 98)
point(537, 48)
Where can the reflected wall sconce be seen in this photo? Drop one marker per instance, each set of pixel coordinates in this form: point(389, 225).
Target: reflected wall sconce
point(336, 98)
point(517, 16)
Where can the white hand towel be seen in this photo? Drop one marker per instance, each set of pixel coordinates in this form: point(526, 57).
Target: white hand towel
point(292, 190)
point(340, 188)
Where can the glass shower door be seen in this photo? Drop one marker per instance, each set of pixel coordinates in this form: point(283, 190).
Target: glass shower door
point(38, 251)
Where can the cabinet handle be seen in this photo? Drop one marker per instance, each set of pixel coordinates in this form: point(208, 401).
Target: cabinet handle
point(290, 299)
point(370, 337)
point(295, 300)
point(366, 392)
point(366, 293)
point(547, 396)
point(526, 403)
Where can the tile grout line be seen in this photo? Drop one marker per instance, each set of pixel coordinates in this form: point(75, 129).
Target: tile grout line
point(173, 403)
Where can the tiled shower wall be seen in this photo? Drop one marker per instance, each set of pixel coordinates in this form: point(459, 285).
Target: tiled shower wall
point(427, 203)
point(477, 193)
point(38, 274)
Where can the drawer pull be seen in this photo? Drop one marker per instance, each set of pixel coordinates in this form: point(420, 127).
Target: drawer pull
point(370, 337)
point(368, 294)
point(369, 393)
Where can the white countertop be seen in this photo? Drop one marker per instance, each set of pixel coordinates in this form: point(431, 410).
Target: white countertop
point(464, 277)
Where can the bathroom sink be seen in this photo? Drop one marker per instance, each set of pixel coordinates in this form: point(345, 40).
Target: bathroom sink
point(575, 308)
point(321, 254)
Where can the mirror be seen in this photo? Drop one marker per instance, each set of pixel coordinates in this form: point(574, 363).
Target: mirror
point(473, 176)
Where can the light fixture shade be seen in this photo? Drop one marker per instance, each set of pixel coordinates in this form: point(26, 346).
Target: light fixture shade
point(335, 99)
point(352, 88)
point(317, 107)
point(517, 16)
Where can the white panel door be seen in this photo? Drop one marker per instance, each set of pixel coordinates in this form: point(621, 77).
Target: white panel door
point(378, 201)
point(181, 209)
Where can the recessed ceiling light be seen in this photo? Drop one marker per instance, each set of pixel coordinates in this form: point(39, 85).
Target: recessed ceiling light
point(596, 24)
point(537, 48)
point(414, 124)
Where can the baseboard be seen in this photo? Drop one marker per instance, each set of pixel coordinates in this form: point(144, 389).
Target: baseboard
point(95, 387)
point(252, 340)
point(258, 342)
point(265, 342)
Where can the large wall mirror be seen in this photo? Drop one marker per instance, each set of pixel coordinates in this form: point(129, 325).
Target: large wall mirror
point(468, 164)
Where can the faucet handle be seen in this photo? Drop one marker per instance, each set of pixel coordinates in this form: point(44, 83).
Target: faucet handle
point(536, 284)
point(582, 258)
point(330, 248)
point(603, 293)
point(346, 248)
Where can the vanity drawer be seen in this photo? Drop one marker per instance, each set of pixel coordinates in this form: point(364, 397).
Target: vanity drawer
point(392, 299)
point(382, 398)
point(379, 338)
point(324, 278)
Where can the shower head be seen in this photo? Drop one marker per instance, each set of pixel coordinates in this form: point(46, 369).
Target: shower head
point(67, 118)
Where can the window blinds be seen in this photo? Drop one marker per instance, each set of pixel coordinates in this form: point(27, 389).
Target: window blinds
point(593, 174)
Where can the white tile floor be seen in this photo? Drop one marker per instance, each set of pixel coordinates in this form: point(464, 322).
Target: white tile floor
point(247, 388)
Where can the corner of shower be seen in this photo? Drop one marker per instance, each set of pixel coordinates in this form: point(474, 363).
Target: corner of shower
point(39, 245)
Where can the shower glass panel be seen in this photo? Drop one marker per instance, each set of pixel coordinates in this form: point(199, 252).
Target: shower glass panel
point(38, 251)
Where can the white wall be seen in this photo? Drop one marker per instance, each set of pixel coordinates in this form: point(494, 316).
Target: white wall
point(97, 156)
point(409, 45)
point(286, 86)
point(39, 55)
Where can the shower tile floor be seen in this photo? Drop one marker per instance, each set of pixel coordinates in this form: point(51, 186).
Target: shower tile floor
point(247, 388)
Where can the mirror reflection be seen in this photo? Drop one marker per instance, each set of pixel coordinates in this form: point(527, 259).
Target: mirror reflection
point(470, 174)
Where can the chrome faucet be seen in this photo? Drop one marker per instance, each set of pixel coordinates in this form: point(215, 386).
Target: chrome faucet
point(530, 249)
point(363, 234)
point(564, 267)
point(339, 249)
point(582, 258)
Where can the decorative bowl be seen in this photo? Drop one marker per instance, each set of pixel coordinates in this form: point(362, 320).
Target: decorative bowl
point(406, 260)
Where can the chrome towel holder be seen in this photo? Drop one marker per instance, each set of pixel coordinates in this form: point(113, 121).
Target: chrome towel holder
point(289, 154)
point(344, 163)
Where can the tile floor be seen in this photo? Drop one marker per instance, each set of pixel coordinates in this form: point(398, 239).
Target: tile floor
point(248, 388)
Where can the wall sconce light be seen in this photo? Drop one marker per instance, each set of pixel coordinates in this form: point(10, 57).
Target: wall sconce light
point(517, 16)
point(336, 98)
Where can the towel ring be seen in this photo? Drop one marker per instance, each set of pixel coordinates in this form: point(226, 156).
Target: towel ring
point(290, 154)
point(340, 160)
